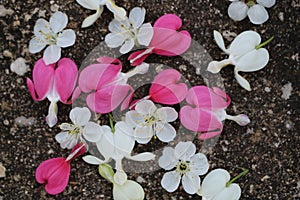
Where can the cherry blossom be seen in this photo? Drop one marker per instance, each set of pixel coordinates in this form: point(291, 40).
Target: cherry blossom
point(55, 82)
point(166, 40)
point(82, 129)
point(55, 172)
point(188, 167)
point(245, 53)
point(129, 31)
point(149, 121)
point(254, 9)
point(206, 111)
point(51, 33)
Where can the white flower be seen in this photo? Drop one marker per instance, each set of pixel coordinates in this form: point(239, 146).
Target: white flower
point(19, 66)
point(188, 166)
point(255, 9)
point(51, 33)
point(148, 120)
point(117, 144)
point(97, 5)
point(245, 53)
point(214, 186)
point(72, 133)
point(129, 31)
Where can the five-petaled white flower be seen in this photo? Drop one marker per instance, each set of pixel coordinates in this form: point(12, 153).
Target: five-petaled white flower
point(215, 186)
point(51, 33)
point(245, 53)
point(188, 166)
point(255, 9)
point(72, 133)
point(148, 120)
point(117, 144)
point(119, 13)
point(129, 31)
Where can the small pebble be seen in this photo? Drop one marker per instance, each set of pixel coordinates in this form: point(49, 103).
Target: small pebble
point(267, 89)
point(4, 11)
point(281, 16)
point(140, 179)
point(19, 66)
point(286, 91)
point(6, 122)
point(7, 53)
point(2, 171)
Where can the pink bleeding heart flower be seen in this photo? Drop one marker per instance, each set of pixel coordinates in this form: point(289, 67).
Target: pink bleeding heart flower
point(166, 40)
point(55, 172)
point(206, 111)
point(55, 82)
point(107, 85)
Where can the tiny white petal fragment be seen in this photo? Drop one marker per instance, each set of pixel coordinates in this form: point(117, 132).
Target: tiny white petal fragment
point(19, 66)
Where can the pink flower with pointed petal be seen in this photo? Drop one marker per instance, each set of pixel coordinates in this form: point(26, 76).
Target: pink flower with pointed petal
point(106, 84)
point(166, 40)
point(55, 82)
point(55, 172)
point(206, 111)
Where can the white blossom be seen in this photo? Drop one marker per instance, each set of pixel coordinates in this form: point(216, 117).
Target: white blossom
point(51, 33)
point(148, 120)
point(254, 9)
point(129, 31)
point(82, 129)
point(245, 53)
point(188, 167)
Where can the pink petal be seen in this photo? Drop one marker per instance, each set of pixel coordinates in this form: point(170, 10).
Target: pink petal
point(127, 100)
point(55, 173)
point(196, 119)
point(139, 60)
point(42, 80)
point(167, 89)
point(107, 99)
point(65, 78)
point(82, 150)
point(169, 21)
point(205, 98)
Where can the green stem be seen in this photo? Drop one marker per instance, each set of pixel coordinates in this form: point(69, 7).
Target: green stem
point(237, 177)
point(264, 43)
point(111, 123)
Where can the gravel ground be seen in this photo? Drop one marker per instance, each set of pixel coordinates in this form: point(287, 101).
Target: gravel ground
point(268, 146)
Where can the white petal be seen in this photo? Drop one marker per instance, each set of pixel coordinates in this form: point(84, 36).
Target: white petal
point(91, 4)
point(66, 38)
point(119, 13)
point(92, 18)
point(92, 132)
point(58, 21)
point(232, 192)
point(237, 10)
point(199, 164)
point(258, 14)
point(41, 28)
point(165, 132)
point(120, 177)
point(219, 40)
point(114, 40)
point(266, 3)
point(145, 107)
point(167, 160)
point(185, 150)
point(36, 45)
point(214, 183)
point(191, 182)
point(137, 16)
point(106, 145)
point(242, 81)
point(66, 140)
point(61, 137)
point(143, 134)
point(216, 66)
point(130, 190)
point(167, 114)
point(127, 46)
point(51, 118)
point(133, 118)
point(145, 34)
point(170, 181)
point(66, 126)
point(80, 116)
point(52, 54)
point(123, 142)
point(92, 160)
point(115, 26)
point(244, 43)
point(253, 61)
point(146, 156)
point(19, 66)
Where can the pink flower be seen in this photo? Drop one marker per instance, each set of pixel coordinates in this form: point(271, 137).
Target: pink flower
point(55, 172)
point(54, 81)
point(206, 111)
point(106, 84)
point(166, 40)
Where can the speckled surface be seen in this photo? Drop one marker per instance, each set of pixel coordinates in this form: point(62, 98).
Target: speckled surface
point(268, 146)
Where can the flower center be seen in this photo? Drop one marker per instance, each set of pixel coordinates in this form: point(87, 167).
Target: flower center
point(49, 37)
point(250, 2)
point(183, 167)
point(75, 131)
point(149, 120)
